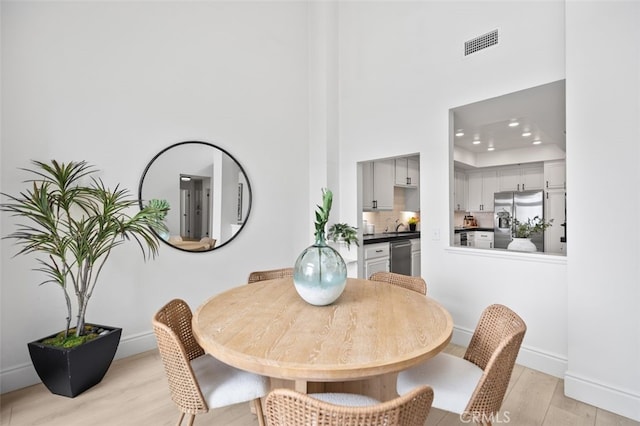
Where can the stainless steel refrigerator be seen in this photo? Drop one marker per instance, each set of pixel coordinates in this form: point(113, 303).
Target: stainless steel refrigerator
point(521, 205)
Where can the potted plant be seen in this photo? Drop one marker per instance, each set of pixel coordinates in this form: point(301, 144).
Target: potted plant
point(342, 232)
point(522, 232)
point(74, 227)
point(413, 221)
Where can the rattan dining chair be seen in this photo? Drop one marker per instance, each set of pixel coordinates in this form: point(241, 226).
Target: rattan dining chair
point(270, 274)
point(412, 283)
point(473, 386)
point(197, 381)
point(209, 242)
point(286, 407)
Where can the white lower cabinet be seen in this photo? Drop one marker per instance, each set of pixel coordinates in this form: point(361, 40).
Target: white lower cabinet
point(415, 257)
point(481, 239)
point(376, 258)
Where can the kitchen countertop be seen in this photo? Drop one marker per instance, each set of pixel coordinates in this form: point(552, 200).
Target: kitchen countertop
point(475, 228)
point(390, 236)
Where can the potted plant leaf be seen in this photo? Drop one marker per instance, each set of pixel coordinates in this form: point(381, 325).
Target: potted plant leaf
point(522, 232)
point(343, 232)
point(74, 226)
point(531, 226)
point(164, 207)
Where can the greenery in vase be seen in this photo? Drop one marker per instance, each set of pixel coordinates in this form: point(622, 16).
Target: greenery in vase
point(322, 213)
point(337, 231)
point(413, 220)
point(75, 227)
point(531, 226)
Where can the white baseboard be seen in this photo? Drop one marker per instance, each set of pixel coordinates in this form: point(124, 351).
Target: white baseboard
point(528, 356)
point(135, 344)
point(601, 395)
point(18, 377)
point(23, 375)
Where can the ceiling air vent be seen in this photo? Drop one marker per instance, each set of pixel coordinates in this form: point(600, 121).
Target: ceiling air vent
point(481, 42)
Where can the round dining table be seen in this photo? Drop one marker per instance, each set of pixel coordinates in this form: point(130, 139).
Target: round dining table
point(374, 329)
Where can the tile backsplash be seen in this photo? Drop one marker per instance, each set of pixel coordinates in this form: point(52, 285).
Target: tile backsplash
point(387, 219)
point(485, 220)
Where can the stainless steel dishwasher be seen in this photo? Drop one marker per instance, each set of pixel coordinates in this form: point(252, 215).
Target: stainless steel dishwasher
point(401, 257)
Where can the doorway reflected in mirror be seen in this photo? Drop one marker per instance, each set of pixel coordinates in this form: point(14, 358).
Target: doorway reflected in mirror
point(207, 190)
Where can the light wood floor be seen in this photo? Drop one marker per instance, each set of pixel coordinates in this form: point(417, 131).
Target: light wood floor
point(134, 392)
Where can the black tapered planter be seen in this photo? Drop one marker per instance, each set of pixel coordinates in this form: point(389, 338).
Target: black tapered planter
point(71, 371)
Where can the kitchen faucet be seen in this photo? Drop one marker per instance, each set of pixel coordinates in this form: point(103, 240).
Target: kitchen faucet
point(398, 225)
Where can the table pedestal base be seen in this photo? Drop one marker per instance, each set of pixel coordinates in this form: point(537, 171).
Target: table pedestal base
point(382, 388)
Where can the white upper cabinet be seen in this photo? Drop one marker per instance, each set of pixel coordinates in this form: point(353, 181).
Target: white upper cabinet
point(407, 171)
point(521, 178)
point(378, 179)
point(482, 186)
point(554, 174)
point(460, 191)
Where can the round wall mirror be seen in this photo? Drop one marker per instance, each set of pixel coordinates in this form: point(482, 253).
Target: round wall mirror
point(207, 192)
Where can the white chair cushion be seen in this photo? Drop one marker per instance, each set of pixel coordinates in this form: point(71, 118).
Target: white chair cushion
point(452, 378)
point(346, 399)
point(223, 385)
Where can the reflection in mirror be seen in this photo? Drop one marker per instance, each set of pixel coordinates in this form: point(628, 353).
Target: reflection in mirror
point(207, 192)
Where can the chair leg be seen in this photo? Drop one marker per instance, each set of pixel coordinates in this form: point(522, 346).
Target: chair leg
point(180, 419)
point(257, 404)
point(192, 417)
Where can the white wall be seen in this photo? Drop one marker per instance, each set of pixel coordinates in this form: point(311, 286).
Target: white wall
point(402, 69)
point(603, 134)
point(113, 83)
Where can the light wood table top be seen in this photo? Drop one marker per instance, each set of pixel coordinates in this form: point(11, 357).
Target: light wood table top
point(190, 245)
point(372, 329)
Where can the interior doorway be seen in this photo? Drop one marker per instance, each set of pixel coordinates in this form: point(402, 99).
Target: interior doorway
point(195, 207)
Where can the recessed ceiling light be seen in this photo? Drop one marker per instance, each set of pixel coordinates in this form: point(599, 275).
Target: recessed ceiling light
point(537, 142)
point(459, 133)
point(490, 148)
point(476, 142)
point(526, 133)
point(514, 124)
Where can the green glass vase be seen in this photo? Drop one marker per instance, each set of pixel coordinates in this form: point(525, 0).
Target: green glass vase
point(320, 273)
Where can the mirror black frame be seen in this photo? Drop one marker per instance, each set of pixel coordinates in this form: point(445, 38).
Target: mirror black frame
point(225, 152)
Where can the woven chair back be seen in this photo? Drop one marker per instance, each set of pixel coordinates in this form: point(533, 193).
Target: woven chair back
point(286, 407)
point(494, 347)
point(177, 347)
point(210, 242)
point(271, 274)
point(412, 283)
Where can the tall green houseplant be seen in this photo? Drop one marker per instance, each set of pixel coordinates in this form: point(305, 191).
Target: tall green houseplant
point(74, 227)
